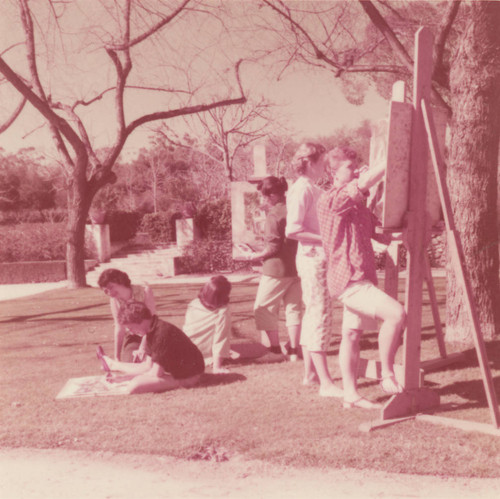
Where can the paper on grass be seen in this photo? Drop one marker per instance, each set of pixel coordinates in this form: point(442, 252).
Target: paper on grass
point(91, 386)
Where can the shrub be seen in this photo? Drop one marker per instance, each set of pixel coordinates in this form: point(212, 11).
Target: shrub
point(123, 225)
point(213, 219)
point(160, 226)
point(54, 215)
point(210, 255)
point(33, 242)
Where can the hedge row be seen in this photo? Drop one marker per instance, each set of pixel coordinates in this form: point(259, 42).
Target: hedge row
point(33, 242)
point(24, 272)
point(55, 215)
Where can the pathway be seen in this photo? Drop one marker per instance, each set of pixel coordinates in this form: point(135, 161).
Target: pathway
point(61, 474)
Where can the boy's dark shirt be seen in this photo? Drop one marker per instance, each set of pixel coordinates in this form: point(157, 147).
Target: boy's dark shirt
point(281, 262)
point(169, 347)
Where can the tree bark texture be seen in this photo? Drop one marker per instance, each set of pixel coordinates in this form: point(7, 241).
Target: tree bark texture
point(80, 199)
point(472, 174)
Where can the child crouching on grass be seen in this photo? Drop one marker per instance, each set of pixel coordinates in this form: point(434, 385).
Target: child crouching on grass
point(172, 360)
point(208, 322)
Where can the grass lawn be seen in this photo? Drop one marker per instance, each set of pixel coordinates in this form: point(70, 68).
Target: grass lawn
point(258, 411)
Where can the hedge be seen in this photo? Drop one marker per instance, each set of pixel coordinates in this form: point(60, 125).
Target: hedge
point(26, 272)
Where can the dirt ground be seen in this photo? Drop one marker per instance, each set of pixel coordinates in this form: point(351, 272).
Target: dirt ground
point(62, 474)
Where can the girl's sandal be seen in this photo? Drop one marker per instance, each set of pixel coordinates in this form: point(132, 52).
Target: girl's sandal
point(390, 385)
point(361, 403)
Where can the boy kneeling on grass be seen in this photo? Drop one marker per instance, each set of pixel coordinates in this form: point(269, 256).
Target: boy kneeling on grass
point(172, 359)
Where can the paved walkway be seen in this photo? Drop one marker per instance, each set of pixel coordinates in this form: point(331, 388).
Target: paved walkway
point(12, 291)
point(63, 474)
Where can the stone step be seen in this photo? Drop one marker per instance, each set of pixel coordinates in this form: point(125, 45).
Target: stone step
point(141, 262)
point(146, 251)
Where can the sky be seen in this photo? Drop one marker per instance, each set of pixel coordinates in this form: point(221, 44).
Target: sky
point(311, 103)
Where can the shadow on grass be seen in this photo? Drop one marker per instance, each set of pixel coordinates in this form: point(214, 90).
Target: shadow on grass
point(23, 318)
point(209, 379)
point(471, 392)
point(470, 359)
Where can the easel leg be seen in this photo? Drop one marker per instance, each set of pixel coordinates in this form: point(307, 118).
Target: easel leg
point(434, 307)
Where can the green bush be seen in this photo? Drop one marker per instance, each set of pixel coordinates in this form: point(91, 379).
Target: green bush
point(123, 225)
point(53, 215)
point(160, 226)
point(210, 255)
point(213, 219)
point(213, 251)
point(34, 242)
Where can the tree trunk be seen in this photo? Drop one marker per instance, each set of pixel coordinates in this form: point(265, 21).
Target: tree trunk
point(78, 209)
point(472, 175)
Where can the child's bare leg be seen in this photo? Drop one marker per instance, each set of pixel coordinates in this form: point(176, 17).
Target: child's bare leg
point(348, 361)
point(190, 382)
point(294, 335)
point(327, 387)
point(146, 383)
point(310, 376)
point(393, 315)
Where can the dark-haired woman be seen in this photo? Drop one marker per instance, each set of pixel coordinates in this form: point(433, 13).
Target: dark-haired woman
point(303, 226)
point(117, 285)
point(208, 322)
point(279, 281)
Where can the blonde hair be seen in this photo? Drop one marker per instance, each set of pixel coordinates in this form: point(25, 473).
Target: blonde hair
point(309, 152)
point(340, 154)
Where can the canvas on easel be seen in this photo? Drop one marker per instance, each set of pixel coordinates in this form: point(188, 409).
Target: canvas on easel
point(247, 216)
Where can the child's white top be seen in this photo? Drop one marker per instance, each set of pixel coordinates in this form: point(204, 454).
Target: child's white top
point(301, 203)
point(209, 330)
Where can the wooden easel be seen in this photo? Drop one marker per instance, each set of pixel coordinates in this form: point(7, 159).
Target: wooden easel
point(416, 398)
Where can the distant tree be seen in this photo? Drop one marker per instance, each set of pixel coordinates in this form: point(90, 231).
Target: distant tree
point(25, 183)
point(227, 131)
point(166, 174)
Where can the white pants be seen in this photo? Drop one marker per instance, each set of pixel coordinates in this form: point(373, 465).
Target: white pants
point(271, 291)
point(317, 322)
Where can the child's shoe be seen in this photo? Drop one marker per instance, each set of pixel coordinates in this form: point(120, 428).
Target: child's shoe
point(273, 355)
point(331, 391)
point(292, 353)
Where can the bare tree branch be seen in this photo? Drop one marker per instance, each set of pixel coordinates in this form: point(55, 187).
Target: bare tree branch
point(285, 12)
point(89, 102)
point(35, 81)
point(440, 74)
point(382, 25)
point(42, 106)
point(127, 44)
point(8, 122)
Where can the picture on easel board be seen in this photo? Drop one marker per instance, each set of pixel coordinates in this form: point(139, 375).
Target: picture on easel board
point(390, 142)
point(247, 219)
